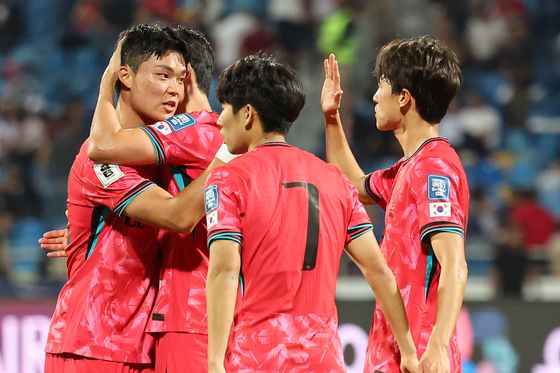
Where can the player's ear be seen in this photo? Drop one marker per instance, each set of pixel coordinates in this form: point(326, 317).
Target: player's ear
point(125, 76)
point(250, 115)
point(405, 98)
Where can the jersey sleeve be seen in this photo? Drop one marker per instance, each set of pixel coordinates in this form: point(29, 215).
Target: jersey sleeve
point(180, 140)
point(113, 186)
point(359, 221)
point(436, 187)
point(379, 185)
point(222, 203)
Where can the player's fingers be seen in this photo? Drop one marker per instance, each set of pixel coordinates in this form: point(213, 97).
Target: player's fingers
point(56, 254)
point(326, 68)
point(52, 246)
point(336, 71)
point(54, 240)
point(55, 233)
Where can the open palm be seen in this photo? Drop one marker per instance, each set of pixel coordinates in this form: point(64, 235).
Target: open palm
point(331, 94)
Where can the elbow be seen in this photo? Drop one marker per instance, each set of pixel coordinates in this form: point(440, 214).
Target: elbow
point(463, 272)
point(184, 225)
point(95, 152)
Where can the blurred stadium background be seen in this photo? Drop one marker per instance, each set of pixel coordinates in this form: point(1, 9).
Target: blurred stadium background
point(505, 124)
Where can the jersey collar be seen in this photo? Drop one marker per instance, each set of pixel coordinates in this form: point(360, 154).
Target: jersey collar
point(430, 140)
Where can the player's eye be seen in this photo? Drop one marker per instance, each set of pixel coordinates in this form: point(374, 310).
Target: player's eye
point(164, 75)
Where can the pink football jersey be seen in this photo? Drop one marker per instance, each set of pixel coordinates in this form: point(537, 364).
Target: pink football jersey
point(422, 194)
point(292, 214)
point(103, 309)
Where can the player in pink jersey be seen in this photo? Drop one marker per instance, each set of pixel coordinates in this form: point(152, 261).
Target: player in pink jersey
point(179, 316)
point(278, 219)
point(425, 196)
point(178, 320)
point(104, 308)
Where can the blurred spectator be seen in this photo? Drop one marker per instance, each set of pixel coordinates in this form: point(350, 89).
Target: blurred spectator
point(537, 224)
point(485, 35)
point(554, 252)
point(337, 33)
point(480, 124)
point(548, 188)
point(11, 25)
point(511, 264)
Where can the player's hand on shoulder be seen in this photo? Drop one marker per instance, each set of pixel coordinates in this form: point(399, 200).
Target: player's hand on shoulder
point(54, 243)
point(410, 363)
point(435, 360)
point(331, 94)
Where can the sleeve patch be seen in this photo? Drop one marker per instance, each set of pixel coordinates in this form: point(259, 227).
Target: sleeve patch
point(181, 121)
point(211, 219)
point(438, 187)
point(163, 128)
point(438, 209)
point(211, 198)
point(107, 173)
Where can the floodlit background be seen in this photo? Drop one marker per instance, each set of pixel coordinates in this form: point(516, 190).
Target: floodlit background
point(505, 125)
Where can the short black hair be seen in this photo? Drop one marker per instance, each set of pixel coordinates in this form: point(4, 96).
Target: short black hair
point(200, 55)
point(272, 88)
point(143, 41)
point(427, 68)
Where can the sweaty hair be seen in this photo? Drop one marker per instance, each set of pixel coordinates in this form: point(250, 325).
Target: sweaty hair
point(201, 56)
point(144, 41)
point(424, 66)
point(272, 88)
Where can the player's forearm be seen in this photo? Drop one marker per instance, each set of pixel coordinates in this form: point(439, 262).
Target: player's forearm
point(221, 293)
point(339, 152)
point(451, 289)
point(105, 123)
point(388, 295)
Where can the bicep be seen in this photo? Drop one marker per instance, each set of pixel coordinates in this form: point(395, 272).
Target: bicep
point(448, 247)
point(365, 252)
point(225, 255)
point(130, 147)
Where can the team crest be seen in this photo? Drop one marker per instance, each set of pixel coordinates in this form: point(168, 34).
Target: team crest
point(181, 121)
point(438, 188)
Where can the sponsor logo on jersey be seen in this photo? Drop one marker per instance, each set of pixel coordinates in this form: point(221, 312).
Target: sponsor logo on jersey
point(107, 173)
point(181, 121)
point(211, 198)
point(163, 128)
point(438, 187)
point(438, 209)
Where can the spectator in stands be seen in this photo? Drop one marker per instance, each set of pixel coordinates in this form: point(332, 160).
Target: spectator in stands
point(511, 264)
point(535, 221)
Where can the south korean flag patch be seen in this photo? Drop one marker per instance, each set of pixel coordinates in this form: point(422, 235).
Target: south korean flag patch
point(439, 209)
point(211, 205)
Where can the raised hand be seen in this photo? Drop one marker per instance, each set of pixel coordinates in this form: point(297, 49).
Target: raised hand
point(54, 243)
point(331, 94)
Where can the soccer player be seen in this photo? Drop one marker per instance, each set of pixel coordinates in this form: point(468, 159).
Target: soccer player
point(178, 319)
point(102, 311)
point(278, 219)
point(425, 196)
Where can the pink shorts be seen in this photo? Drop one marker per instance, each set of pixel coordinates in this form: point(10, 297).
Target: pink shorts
point(70, 363)
point(181, 352)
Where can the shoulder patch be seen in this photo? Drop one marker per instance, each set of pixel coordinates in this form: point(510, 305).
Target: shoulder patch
point(438, 209)
point(163, 128)
point(438, 188)
point(107, 173)
point(211, 198)
point(181, 121)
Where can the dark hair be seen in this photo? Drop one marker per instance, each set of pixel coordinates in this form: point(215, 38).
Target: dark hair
point(272, 88)
point(424, 66)
point(143, 41)
point(201, 55)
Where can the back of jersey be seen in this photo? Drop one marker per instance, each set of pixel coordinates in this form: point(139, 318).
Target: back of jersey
point(296, 214)
point(292, 214)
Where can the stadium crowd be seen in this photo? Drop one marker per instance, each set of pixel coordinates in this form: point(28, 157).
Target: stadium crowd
point(505, 122)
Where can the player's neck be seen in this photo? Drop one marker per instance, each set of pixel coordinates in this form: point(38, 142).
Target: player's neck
point(414, 133)
point(128, 118)
point(267, 137)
